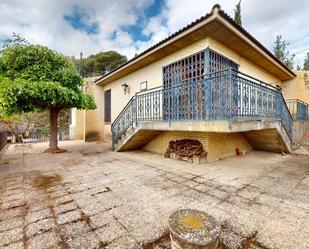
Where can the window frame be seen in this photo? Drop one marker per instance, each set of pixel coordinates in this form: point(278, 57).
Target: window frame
point(107, 114)
point(140, 86)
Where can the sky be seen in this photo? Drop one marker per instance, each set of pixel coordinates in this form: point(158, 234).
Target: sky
point(131, 26)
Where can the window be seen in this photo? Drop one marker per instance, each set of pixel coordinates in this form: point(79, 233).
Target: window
point(216, 62)
point(107, 106)
point(143, 86)
point(188, 68)
point(179, 98)
point(182, 74)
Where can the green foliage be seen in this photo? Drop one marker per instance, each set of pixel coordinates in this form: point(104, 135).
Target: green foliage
point(306, 62)
point(237, 13)
point(99, 64)
point(34, 118)
point(16, 40)
point(37, 119)
point(282, 53)
point(33, 77)
point(27, 121)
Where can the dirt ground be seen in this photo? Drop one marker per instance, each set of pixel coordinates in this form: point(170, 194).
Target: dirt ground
point(92, 197)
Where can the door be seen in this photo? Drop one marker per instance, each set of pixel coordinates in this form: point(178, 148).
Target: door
point(180, 87)
point(197, 87)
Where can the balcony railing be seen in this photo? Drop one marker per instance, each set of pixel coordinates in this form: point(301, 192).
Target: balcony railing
point(223, 95)
point(298, 109)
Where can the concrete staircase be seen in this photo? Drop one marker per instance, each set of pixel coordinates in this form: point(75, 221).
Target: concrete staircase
point(261, 135)
point(267, 139)
point(135, 139)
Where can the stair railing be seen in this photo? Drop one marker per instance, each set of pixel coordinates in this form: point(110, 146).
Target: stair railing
point(299, 109)
point(124, 120)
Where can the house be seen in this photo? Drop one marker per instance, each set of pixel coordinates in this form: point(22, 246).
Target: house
point(211, 81)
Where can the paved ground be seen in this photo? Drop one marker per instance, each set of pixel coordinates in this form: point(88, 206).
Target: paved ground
point(91, 197)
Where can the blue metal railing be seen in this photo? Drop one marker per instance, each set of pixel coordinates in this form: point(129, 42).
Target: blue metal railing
point(299, 109)
point(223, 95)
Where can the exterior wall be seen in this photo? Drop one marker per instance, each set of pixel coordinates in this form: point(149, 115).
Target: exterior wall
point(94, 125)
point(80, 125)
point(153, 73)
point(245, 66)
point(218, 145)
point(72, 126)
point(297, 88)
point(89, 125)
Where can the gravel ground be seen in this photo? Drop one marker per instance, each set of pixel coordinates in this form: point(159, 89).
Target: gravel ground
point(91, 197)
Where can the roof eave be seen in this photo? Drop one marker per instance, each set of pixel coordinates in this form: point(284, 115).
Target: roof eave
point(215, 14)
point(242, 33)
point(208, 18)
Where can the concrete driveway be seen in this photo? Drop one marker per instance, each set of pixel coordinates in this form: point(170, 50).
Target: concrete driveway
point(92, 197)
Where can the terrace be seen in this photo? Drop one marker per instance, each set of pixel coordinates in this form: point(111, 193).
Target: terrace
point(226, 95)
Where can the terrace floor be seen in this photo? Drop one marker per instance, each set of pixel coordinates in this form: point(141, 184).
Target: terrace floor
point(92, 197)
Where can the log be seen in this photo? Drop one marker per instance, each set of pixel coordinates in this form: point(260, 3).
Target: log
point(185, 147)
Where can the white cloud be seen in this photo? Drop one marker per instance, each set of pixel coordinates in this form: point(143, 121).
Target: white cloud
point(42, 22)
point(264, 19)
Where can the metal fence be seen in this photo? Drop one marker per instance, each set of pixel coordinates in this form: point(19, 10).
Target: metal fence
point(299, 109)
point(39, 134)
point(3, 139)
point(222, 95)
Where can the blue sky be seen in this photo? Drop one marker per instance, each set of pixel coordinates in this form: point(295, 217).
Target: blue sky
point(131, 26)
point(151, 11)
point(79, 19)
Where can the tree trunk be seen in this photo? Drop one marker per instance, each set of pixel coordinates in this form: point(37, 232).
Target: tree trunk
point(53, 141)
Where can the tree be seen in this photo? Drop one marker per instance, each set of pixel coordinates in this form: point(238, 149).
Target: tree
point(11, 125)
point(237, 13)
point(99, 64)
point(35, 78)
point(306, 62)
point(281, 52)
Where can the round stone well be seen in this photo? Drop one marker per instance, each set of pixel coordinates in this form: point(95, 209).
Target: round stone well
point(193, 229)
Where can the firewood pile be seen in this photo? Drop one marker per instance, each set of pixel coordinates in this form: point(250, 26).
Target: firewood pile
point(185, 148)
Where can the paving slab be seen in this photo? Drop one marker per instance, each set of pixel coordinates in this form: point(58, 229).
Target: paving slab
point(91, 197)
